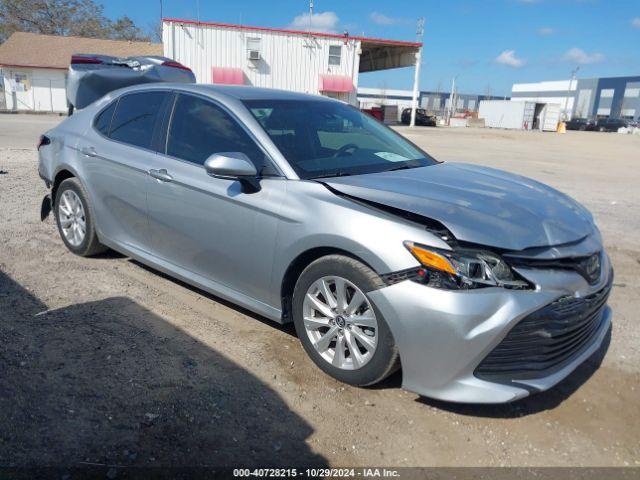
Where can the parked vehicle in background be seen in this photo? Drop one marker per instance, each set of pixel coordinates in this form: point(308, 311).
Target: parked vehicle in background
point(92, 76)
point(610, 124)
point(482, 285)
point(581, 124)
point(421, 118)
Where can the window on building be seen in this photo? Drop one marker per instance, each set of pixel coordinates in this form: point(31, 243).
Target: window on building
point(604, 112)
point(335, 54)
point(200, 128)
point(21, 82)
point(607, 93)
point(135, 118)
point(632, 92)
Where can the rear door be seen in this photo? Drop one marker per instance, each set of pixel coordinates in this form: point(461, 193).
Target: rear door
point(209, 226)
point(118, 154)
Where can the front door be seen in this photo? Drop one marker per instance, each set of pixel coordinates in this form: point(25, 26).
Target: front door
point(209, 226)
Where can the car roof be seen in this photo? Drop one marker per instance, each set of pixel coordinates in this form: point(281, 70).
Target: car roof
point(238, 92)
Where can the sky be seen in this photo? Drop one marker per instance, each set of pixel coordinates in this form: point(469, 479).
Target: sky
point(487, 44)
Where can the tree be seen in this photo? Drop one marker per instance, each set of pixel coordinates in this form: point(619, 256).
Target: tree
point(124, 29)
point(83, 18)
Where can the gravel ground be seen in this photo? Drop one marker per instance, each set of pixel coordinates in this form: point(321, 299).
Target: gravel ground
point(105, 361)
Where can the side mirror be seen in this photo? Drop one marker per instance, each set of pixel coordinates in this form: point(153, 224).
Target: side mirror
point(230, 165)
point(234, 166)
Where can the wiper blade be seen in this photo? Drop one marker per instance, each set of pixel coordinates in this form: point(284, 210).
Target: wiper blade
point(330, 175)
point(401, 167)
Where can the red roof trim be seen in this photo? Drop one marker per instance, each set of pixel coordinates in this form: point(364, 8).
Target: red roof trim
point(294, 32)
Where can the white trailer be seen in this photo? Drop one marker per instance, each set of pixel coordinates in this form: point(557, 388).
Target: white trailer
point(507, 114)
point(520, 115)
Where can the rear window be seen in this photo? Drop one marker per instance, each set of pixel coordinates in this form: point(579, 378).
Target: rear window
point(103, 120)
point(135, 118)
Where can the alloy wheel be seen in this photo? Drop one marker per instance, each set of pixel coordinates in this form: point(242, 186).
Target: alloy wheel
point(72, 218)
point(340, 322)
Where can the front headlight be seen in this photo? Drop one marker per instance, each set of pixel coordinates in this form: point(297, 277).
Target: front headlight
point(463, 268)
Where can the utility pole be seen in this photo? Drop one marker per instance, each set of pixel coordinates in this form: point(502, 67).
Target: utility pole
point(416, 78)
point(566, 100)
point(310, 15)
point(452, 99)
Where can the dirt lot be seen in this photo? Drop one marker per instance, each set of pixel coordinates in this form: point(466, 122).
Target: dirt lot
point(105, 361)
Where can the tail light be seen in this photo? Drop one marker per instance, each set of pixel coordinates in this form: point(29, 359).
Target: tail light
point(172, 64)
point(43, 140)
point(80, 59)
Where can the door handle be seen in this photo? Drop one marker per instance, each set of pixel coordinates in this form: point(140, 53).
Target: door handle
point(161, 175)
point(89, 151)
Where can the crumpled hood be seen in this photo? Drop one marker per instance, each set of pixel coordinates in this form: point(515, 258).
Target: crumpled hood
point(477, 204)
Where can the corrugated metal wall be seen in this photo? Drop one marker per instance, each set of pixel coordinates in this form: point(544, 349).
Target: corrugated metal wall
point(289, 62)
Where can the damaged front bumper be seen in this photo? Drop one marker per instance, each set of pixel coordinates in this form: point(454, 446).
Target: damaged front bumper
point(443, 336)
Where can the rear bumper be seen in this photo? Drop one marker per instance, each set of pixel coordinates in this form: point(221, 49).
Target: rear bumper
point(443, 336)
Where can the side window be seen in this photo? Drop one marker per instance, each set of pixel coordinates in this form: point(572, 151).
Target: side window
point(199, 129)
point(335, 52)
point(135, 118)
point(103, 120)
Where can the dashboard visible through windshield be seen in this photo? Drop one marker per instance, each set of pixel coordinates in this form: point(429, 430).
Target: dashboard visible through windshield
point(327, 139)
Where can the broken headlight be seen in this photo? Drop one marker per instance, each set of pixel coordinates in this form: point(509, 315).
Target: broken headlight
point(463, 269)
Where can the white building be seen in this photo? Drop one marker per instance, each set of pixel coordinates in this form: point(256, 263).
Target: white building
point(615, 97)
point(560, 92)
point(308, 62)
point(33, 67)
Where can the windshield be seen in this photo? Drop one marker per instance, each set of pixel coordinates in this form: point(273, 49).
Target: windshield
point(327, 139)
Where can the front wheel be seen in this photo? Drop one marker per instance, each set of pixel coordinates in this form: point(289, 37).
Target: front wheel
point(339, 327)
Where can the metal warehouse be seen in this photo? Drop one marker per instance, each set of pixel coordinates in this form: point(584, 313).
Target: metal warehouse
point(434, 102)
point(307, 62)
point(615, 97)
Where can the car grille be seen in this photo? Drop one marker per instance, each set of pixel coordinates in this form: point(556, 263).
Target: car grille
point(546, 340)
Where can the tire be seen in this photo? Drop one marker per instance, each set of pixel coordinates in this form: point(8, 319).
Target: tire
point(89, 244)
point(384, 360)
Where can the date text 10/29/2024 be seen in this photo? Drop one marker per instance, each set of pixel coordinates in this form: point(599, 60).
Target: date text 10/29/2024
point(316, 473)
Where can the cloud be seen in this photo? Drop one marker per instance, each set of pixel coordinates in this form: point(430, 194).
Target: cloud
point(635, 23)
point(546, 31)
point(320, 22)
point(579, 56)
point(382, 19)
point(508, 57)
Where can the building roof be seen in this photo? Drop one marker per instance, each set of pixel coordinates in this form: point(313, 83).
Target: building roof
point(379, 41)
point(24, 49)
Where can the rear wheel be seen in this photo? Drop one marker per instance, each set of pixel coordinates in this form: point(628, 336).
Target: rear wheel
point(75, 220)
point(339, 327)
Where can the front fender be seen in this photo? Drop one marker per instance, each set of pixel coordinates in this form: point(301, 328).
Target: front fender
point(313, 217)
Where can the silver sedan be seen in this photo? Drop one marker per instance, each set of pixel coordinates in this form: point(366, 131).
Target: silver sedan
point(480, 285)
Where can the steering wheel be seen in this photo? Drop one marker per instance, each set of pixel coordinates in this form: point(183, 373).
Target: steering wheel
point(345, 148)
